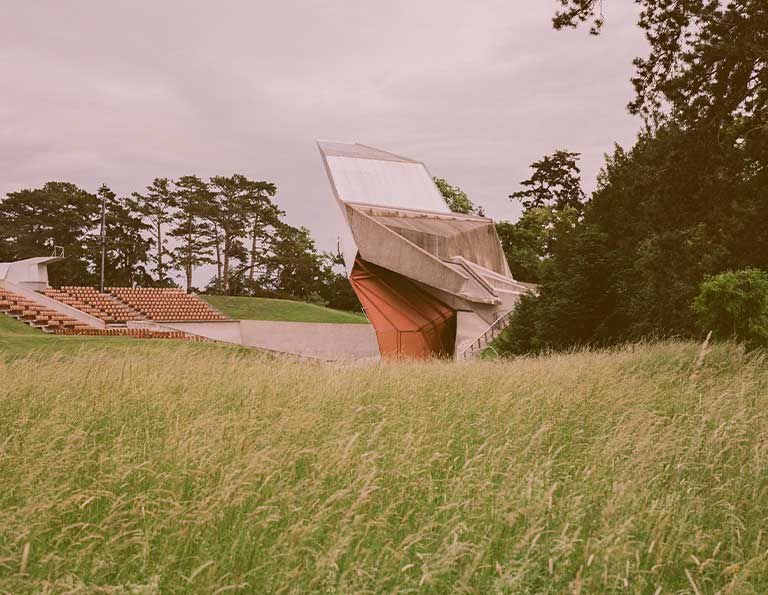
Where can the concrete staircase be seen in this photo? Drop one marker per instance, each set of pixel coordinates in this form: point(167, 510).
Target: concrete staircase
point(474, 349)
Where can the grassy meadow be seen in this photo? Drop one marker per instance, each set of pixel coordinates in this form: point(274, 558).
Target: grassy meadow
point(197, 470)
point(251, 308)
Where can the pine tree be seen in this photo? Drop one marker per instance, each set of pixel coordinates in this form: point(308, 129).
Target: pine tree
point(127, 246)
point(555, 182)
point(193, 202)
point(155, 205)
point(230, 216)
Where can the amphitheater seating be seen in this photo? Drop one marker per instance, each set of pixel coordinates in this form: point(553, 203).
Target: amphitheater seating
point(37, 315)
point(110, 309)
point(121, 305)
point(166, 304)
point(70, 300)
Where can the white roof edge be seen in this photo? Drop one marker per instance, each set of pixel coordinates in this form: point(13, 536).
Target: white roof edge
point(333, 148)
point(448, 215)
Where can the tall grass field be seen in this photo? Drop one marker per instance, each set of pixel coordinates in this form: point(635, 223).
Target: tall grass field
point(191, 469)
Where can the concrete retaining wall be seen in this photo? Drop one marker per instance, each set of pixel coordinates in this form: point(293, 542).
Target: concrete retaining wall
point(323, 340)
point(320, 340)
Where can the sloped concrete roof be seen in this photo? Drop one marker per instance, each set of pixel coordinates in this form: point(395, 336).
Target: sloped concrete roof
point(359, 173)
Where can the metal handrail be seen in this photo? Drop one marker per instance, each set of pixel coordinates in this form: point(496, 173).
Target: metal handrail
point(499, 324)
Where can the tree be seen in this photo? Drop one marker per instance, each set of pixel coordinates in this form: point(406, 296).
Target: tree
point(295, 269)
point(264, 223)
point(665, 215)
point(734, 305)
point(33, 221)
point(126, 246)
point(707, 63)
point(553, 202)
point(239, 206)
point(193, 201)
point(555, 182)
point(155, 205)
point(457, 199)
point(689, 200)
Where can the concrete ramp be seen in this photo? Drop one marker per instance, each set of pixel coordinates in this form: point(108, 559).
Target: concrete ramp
point(328, 341)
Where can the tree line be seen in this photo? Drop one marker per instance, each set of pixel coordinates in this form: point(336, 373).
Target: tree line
point(670, 215)
point(169, 230)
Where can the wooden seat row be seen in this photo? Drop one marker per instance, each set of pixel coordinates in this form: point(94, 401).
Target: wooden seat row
point(35, 314)
point(101, 305)
point(134, 333)
point(166, 304)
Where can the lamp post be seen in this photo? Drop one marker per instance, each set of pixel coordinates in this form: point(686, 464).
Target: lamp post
point(103, 240)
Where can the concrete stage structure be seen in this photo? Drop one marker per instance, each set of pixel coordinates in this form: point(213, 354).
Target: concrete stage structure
point(432, 282)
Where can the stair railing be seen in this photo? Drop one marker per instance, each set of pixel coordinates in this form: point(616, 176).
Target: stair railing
point(493, 331)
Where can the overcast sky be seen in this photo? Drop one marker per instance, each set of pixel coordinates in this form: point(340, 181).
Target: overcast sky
point(120, 92)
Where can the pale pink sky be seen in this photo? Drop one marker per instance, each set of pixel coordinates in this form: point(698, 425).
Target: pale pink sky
point(121, 92)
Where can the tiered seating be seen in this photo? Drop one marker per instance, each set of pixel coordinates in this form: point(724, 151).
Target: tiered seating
point(36, 315)
point(166, 304)
point(65, 298)
point(48, 320)
point(110, 308)
point(135, 333)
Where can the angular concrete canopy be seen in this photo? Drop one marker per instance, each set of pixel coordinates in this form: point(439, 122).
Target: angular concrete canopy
point(427, 277)
point(30, 271)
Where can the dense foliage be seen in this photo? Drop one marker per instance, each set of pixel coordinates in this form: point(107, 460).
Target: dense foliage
point(734, 305)
point(665, 215)
point(456, 199)
point(708, 59)
point(689, 200)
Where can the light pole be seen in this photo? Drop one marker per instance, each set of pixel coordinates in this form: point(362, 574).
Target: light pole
point(103, 239)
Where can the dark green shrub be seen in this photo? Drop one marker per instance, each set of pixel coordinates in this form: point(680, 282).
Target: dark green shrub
point(734, 305)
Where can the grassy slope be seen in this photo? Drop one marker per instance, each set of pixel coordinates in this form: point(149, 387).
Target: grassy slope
point(18, 340)
point(247, 308)
point(604, 472)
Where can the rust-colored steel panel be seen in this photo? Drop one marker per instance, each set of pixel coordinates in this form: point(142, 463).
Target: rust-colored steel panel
point(409, 322)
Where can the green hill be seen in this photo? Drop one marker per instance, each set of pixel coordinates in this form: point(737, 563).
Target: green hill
point(250, 308)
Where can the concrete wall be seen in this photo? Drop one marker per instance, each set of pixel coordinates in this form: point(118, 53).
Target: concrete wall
point(322, 340)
